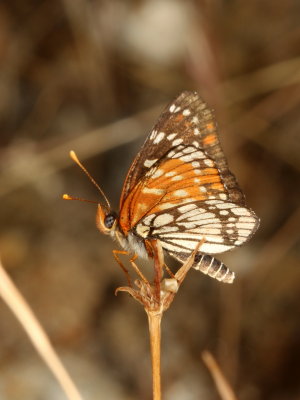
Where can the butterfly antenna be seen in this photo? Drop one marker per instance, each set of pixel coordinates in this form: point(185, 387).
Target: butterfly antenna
point(76, 160)
point(68, 197)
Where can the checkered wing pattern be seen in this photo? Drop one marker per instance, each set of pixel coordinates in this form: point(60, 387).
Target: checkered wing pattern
point(179, 190)
point(186, 120)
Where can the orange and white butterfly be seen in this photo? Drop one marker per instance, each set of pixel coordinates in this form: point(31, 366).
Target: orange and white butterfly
point(179, 190)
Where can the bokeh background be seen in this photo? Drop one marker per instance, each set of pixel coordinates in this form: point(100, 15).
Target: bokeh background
point(92, 76)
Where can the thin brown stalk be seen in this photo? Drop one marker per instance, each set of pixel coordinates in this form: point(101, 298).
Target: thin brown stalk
point(154, 320)
point(155, 304)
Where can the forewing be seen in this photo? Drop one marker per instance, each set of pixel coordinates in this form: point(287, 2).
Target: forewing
point(188, 121)
point(184, 175)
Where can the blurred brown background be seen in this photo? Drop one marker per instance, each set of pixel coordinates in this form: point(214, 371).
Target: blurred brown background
point(93, 76)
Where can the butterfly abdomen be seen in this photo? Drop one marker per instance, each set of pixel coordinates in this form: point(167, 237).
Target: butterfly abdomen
point(213, 268)
point(209, 265)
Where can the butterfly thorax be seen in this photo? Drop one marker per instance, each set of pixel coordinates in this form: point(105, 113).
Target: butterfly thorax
point(107, 222)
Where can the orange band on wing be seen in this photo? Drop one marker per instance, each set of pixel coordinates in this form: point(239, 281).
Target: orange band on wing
point(173, 182)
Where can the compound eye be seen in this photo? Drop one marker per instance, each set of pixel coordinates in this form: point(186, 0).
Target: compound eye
point(109, 220)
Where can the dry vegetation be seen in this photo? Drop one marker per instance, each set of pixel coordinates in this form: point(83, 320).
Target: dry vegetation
point(92, 76)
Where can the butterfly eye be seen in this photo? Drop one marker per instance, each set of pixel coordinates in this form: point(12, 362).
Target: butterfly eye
point(109, 220)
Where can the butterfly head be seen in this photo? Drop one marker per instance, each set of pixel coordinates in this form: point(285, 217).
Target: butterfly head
point(106, 220)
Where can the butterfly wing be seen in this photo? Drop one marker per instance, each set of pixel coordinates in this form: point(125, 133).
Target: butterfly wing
point(179, 190)
point(186, 120)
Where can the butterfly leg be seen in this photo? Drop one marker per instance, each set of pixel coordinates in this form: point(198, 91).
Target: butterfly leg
point(125, 270)
point(133, 264)
point(137, 270)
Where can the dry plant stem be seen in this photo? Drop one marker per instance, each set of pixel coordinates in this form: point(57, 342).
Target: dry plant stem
point(158, 268)
point(223, 387)
point(154, 320)
point(24, 314)
point(155, 300)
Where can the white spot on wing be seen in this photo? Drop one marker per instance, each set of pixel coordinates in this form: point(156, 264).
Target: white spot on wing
point(246, 219)
point(196, 131)
point(165, 229)
point(149, 163)
point(180, 193)
point(177, 142)
point(208, 162)
point(198, 154)
point(212, 248)
point(226, 205)
point(142, 230)
point(186, 158)
point(155, 191)
point(212, 231)
point(205, 215)
point(186, 208)
point(188, 149)
point(170, 173)
point(179, 154)
point(190, 213)
point(170, 247)
point(212, 201)
point(165, 206)
point(244, 225)
point(158, 173)
point(159, 137)
point(177, 178)
point(238, 242)
point(240, 211)
point(189, 241)
point(162, 220)
point(187, 225)
point(224, 212)
point(186, 112)
point(172, 108)
point(153, 134)
point(148, 219)
point(187, 200)
point(171, 136)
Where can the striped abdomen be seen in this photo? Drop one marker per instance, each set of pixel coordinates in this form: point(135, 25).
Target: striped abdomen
point(214, 268)
point(209, 265)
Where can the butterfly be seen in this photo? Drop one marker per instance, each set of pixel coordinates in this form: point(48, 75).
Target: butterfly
point(179, 191)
